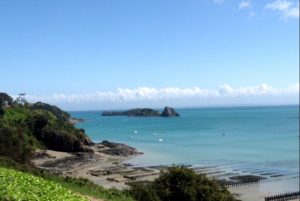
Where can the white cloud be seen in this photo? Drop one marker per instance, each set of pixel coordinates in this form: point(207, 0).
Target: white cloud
point(245, 4)
point(293, 12)
point(285, 7)
point(150, 94)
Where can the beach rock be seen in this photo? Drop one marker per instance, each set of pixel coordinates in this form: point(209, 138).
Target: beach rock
point(169, 112)
point(139, 112)
point(119, 149)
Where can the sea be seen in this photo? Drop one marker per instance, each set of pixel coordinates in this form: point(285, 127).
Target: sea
point(260, 140)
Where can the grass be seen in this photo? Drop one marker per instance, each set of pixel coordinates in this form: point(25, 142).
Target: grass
point(16, 185)
point(78, 185)
point(86, 187)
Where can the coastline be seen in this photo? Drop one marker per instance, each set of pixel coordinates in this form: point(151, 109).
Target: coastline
point(107, 170)
point(113, 171)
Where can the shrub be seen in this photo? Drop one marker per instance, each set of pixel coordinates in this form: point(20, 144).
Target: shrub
point(60, 114)
point(143, 192)
point(179, 183)
point(15, 144)
point(5, 98)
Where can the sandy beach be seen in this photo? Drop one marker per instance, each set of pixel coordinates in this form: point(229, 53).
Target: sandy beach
point(109, 171)
point(113, 171)
point(258, 192)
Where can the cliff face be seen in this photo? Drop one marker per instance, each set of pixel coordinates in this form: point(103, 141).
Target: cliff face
point(143, 112)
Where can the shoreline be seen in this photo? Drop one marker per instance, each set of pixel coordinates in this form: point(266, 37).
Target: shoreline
point(113, 171)
point(105, 169)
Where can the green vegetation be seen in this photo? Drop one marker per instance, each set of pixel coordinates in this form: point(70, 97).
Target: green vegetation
point(15, 185)
point(58, 113)
point(178, 183)
point(86, 187)
point(5, 99)
point(25, 127)
point(81, 186)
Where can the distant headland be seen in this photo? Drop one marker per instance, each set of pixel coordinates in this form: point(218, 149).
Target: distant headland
point(143, 112)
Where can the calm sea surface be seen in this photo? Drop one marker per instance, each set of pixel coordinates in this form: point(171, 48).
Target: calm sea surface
point(245, 138)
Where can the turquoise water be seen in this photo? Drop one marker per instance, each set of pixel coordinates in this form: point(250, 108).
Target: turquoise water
point(244, 136)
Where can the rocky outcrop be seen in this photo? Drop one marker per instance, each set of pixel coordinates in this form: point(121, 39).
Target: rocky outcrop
point(139, 112)
point(169, 112)
point(143, 112)
point(118, 149)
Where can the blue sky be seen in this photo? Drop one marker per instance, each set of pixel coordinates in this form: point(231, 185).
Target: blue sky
point(92, 54)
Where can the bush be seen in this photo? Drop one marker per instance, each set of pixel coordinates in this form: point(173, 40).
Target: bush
point(179, 183)
point(143, 192)
point(1, 108)
point(5, 98)
point(15, 144)
point(60, 114)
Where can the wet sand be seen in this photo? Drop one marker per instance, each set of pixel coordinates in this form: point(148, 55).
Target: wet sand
point(259, 191)
point(109, 171)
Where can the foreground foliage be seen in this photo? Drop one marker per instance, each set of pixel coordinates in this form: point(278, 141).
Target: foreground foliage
point(15, 185)
point(179, 183)
point(86, 187)
point(79, 185)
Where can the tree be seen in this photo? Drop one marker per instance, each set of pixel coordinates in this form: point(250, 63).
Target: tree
point(5, 99)
point(1, 107)
point(21, 99)
point(14, 144)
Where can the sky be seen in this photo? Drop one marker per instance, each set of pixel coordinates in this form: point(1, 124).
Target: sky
point(98, 54)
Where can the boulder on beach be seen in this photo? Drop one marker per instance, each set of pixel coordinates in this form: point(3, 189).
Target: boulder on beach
point(169, 112)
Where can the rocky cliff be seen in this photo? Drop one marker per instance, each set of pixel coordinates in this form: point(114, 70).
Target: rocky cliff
point(169, 112)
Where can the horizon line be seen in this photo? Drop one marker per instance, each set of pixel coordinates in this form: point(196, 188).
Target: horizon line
point(191, 107)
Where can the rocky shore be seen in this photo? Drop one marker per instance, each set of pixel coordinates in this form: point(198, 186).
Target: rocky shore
point(104, 164)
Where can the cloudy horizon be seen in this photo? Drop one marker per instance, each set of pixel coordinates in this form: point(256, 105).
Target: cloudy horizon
point(224, 95)
point(124, 54)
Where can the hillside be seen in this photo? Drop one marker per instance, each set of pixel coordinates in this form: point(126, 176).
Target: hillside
point(25, 127)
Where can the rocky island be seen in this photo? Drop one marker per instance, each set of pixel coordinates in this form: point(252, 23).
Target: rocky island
point(143, 112)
